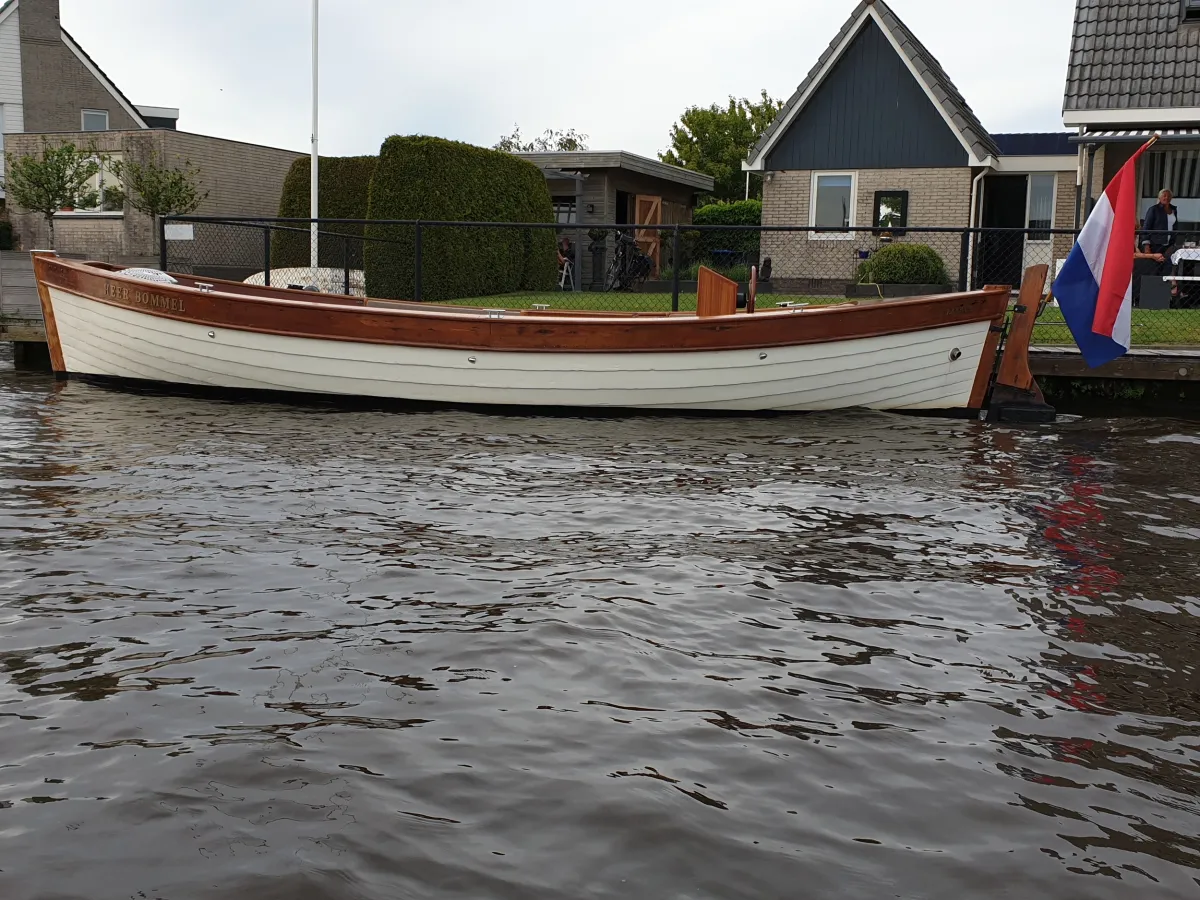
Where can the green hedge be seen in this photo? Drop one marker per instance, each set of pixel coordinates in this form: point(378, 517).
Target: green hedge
point(698, 246)
point(433, 179)
point(742, 212)
point(344, 188)
point(903, 264)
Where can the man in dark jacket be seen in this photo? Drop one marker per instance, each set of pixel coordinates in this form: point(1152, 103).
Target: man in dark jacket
point(1157, 239)
point(1159, 227)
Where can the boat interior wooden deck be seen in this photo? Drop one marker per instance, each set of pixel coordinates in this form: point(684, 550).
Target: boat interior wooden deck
point(717, 296)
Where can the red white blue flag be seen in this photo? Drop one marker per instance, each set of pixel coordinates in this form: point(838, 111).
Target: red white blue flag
point(1095, 287)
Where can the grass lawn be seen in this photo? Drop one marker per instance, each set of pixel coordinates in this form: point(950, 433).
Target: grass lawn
point(1151, 327)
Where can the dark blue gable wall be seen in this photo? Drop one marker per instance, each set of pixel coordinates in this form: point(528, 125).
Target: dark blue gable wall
point(869, 113)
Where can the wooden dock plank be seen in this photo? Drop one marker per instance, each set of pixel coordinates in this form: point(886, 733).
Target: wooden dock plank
point(1148, 364)
point(18, 290)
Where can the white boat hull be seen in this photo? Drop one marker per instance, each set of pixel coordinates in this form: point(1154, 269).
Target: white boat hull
point(909, 371)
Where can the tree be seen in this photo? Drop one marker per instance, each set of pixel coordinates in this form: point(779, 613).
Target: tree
point(550, 141)
point(716, 140)
point(60, 177)
point(159, 190)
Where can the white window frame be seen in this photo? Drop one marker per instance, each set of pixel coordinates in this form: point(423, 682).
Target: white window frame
point(1029, 176)
point(95, 112)
point(812, 208)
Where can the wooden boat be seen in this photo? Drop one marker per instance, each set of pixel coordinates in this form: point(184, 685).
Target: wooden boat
point(935, 353)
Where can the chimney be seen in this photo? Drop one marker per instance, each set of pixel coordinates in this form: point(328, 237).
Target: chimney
point(39, 21)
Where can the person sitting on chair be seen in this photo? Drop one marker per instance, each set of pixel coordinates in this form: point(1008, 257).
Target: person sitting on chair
point(565, 267)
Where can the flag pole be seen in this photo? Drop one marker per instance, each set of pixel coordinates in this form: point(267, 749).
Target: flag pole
point(313, 189)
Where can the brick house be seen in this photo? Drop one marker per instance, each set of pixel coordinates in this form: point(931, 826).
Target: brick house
point(1131, 76)
point(51, 91)
point(878, 137)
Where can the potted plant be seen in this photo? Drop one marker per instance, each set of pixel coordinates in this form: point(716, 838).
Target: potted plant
point(901, 270)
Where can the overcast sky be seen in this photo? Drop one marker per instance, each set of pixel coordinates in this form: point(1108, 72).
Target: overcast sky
point(619, 71)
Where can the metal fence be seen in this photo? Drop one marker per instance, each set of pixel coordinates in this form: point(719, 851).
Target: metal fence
point(650, 267)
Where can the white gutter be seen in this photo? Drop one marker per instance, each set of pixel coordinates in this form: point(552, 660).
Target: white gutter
point(971, 222)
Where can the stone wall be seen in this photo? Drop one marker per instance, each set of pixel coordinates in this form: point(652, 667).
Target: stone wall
point(241, 180)
point(807, 262)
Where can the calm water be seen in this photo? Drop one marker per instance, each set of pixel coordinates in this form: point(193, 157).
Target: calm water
point(253, 651)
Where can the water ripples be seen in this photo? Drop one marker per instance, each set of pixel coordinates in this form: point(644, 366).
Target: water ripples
point(317, 653)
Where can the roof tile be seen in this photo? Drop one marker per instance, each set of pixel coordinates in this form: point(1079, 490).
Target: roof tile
point(1132, 54)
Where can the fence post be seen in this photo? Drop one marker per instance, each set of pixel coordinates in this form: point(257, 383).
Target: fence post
point(346, 265)
point(417, 279)
point(964, 257)
point(162, 244)
point(675, 268)
point(267, 255)
point(577, 284)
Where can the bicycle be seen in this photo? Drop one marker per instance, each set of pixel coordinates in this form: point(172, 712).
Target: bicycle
point(629, 266)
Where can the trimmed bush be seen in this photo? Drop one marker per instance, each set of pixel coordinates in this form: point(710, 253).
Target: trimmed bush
point(344, 188)
point(6, 235)
point(433, 179)
point(903, 264)
point(742, 212)
point(742, 244)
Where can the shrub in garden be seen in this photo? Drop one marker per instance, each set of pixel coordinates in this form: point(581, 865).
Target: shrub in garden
point(433, 179)
point(743, 245)
point(903, 264)
point(345, 183)
point(742, 212)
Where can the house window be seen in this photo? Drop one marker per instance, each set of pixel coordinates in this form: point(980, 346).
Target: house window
point(1191, 10)
point(95, 120)
point(891, 211)
point(110, 198)
point(832, 207)
point(564, 210)
point(1041, 206)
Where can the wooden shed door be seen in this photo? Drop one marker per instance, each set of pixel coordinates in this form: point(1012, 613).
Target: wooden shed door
point(648, 211)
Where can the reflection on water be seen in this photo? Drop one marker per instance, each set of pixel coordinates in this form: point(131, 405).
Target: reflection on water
point(256, 650)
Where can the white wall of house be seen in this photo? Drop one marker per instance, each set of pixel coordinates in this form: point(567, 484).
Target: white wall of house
point(10, 73)
point(12, 118)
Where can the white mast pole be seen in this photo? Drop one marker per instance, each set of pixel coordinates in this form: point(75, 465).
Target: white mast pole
point(312, 192)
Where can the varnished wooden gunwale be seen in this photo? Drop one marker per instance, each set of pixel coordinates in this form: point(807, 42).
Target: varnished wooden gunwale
point(53, 344)
point(292, 313)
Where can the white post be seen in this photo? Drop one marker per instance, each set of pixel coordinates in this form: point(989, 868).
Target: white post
point(312, 190)
point(747, 184)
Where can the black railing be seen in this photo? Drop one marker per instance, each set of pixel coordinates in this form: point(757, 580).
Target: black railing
point(648, 267)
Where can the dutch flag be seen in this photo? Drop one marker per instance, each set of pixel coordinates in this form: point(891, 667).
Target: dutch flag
point(1095, 287)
